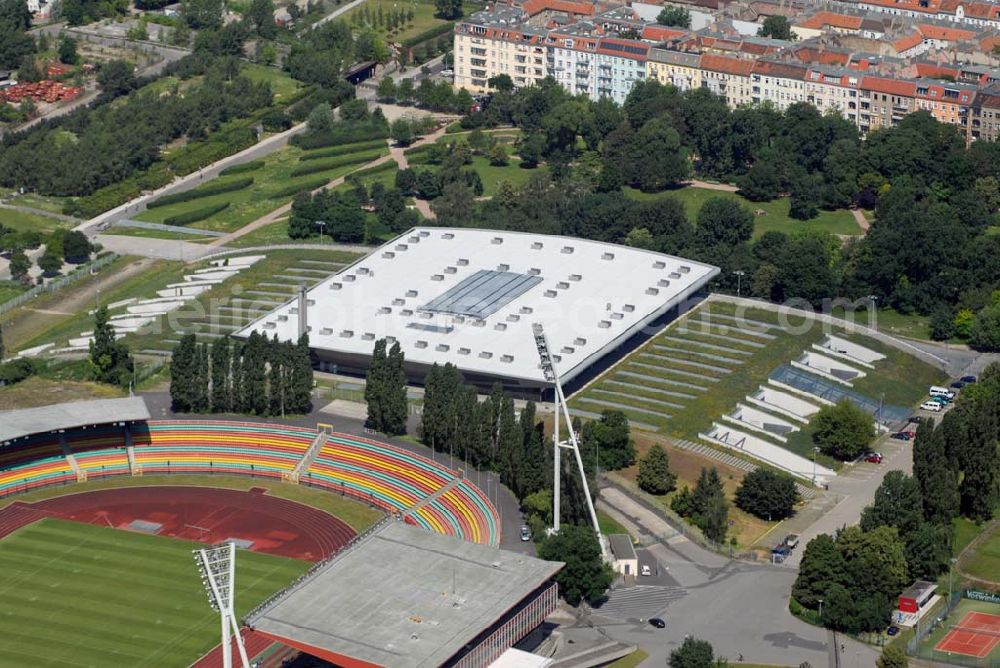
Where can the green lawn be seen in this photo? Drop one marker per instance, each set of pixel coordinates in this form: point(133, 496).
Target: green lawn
point(423, 16)
point(261, 197)
point(984, 561)
point(122, 231)
point(512, 173)
point(892, 322)
point(776, 218)
point(282, 85)
point(23, 222)
point(82, 595)
point(9, 290)
point(42, 202)
point(630, 661)
point(965, 531)
point(609, 525)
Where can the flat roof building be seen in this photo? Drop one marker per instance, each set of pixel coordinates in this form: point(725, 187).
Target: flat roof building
point(470, 297)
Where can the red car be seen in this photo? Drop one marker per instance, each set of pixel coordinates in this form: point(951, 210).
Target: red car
point(873, 458)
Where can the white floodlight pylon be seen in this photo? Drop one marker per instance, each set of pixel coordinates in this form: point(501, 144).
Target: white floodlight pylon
point(552, 376)
point(218, 575)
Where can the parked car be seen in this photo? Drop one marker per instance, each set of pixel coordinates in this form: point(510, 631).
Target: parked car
point(892, 630)
point(936, 391)
point(901, 435)
point(646, 570)
point(944, 401)
point(525, 534)
point(873, 457)
point(958, 385)
point(968, 379)
point(931, 406)
point(914, 419)
point(781, 550)
point(448, 73)
point(657, 622)
point(792, 541)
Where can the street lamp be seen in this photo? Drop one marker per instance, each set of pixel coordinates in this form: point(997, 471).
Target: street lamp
point(815, 450)
point(321, 224)
point(821, 611)
point(872, 299)
point(739, 274)
point(951, 571)
point(218, 575)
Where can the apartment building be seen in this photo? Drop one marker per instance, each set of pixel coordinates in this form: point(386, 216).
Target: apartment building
point(984, 116)
point(728, 77)
point(834, 89)
point(781, 84)
point(676, 68)
point(884, 102)
point(947, 102)
point(496, 42)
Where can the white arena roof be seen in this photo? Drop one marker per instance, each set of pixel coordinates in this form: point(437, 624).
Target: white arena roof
point(470, 296)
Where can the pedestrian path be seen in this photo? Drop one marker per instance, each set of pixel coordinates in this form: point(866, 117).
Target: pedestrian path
point(639, 602)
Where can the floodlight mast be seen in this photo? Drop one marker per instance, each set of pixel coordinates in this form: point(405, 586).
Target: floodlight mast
point(218, 575)
point(552, 376)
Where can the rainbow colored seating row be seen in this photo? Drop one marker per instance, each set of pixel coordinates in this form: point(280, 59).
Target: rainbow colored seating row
point(198, 446)
point(397, 480)
point(101, 463)
point(30, 449)
point(39, 473)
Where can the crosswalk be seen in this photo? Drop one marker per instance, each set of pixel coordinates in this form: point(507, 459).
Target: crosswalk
point(639, 602)
point(806, 493)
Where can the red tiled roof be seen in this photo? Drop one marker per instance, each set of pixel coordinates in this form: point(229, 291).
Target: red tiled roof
point(908, 42)
point(726, 64)
point(662, 33)
point(890, 86)
point(989, 43)
point(936, 71)
point(533, 7)
point(824, 57)
point(982, 10)
point(820, 20)
point(944, 34)
point(781, 70)
point(909, 5)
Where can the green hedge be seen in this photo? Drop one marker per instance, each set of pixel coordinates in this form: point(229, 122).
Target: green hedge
point(389, 166)
point(339, 136)
point(116, 194)
point(343, 150)
point(195, 215)
point(296, 188)
point(322, 166)
point(204, 191)
point(430, 33)
point(251, 166)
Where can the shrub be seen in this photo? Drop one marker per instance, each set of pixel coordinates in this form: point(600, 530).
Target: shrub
point(343, 133)
point(251, 166)
point(429, 34)
point(343, 150)
point(843, 431)
point(767, 494)
point(296, 188)
point(15, 371)
point(196, 215)
point(322, 166)
point(204, 191)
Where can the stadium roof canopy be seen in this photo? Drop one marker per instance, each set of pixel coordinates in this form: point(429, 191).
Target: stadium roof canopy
point(470, 297)
point(28, 421)
point(401, 596)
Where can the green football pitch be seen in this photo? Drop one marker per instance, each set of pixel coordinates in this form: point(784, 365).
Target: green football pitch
point(74, 594)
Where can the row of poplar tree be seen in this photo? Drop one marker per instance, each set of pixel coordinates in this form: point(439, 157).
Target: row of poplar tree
point(259, 376)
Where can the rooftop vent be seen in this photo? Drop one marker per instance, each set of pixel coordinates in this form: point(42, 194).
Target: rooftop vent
point(385, 310)
point(451, 270)
point(368, 336)
point(310, 302)
point(607, 256)
point(462, 262)
point(525, 310)
point(326, 331)
point(569, 350)
point(478, 323)
point(557, 358)
point(437, 277)
point(579, 341)
point(414, 239)
point(336, 286)
point(486, 354)
point(420, 344)
point(424, 233)
point(652, 291)
point(659, 264)
point(388, 255)
point(350, 278)
point(364, 271)
point(684, 269)
point(537, 245)
point(534, 271)
point(500, 326)
point(567, 250)
point(447, 235)
point(293, 310)
point(347, 333)
point(464, 351)
point(401, 247)
point(390, 340)
point(562, 285)
point(442, 347)
point(411, 293)
point(503, 267)
point(551, 293)
point(628, 308)
point(270, 325)
point(604, 324)
point(507, 358)
point(617, 316)
point(674, 274)
point(398, 301)
point(406, 312)
point(663, 282)
point(496, 241)
point(282, 318)
point(576, 278)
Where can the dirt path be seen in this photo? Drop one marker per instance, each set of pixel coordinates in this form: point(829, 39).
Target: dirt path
point(859, 218)
point(32, 321)
point(723, 187)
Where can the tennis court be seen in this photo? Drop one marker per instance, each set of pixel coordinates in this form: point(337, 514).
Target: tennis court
point(975, 635)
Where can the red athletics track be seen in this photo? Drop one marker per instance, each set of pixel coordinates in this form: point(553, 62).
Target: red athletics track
point(209, 515)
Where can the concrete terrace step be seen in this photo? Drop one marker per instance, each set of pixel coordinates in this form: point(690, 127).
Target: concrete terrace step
point(719, 337)
point(590, 415)
point(661, 380)
point(756, 324)
point(647, 400)
point(708, 356)
point(323, 263)
point(266, 284)
point(646, 388)
point(307, 270)
point(710, 346)
point(675, 372)
point(623, 407)
point(736, 462)
point(696, 365)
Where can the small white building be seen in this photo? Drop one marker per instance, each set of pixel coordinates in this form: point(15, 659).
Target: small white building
point(626, 562)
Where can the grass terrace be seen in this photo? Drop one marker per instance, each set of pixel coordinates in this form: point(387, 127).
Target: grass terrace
point(23, 221)
point(833, 222)
point(273, 185)
point(423, 16)
point(983, 562)
point(282, 85)
point(95, 596)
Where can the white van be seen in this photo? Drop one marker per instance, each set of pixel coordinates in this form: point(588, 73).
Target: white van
point(932, 406)
point(936, 391)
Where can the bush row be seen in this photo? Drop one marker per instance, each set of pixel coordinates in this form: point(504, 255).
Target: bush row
point(322, 166)
point(339, 136)
point(204, 191)
point(296, 188)
point(430, 33)
point(195, 215)
point(116, 194)
point(251, 166)
point(343, 150)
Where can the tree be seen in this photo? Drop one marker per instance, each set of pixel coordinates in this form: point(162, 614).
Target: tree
point(693, 653)
point(386, 90)
point(76, 246)
point(402, 131)
point(501, 83)
point(655, 475)
point(821, 567)
point(51, 261)
point(199, 14)
point(586, 576)
point(109, 358)
point(116, 78)
point(657, 158)
point(843, 430)
point(454, 206)
point(67, 51)
point(385, 389)
point(260, 16)
point(897, 504)
point(723, 221)
point(984, 333)
point(448, 9)
point(182, 363)
point(767, 494)
point(19, 265)
point(609, 438)
point(892, 656)
point(679, 17)
point(320, 118)
point(709, 508)
point(777, 27)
